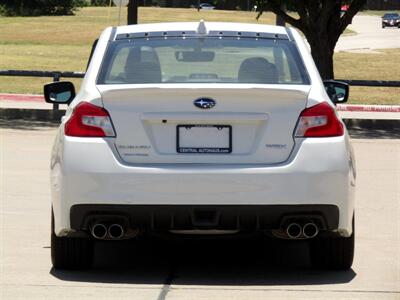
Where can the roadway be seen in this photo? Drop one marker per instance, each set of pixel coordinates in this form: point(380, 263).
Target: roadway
point(206, 269)
point(370, 36)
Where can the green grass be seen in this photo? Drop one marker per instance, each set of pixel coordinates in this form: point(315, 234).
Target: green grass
point(88, 23)
point(383, 65)
point(348, 31)
point(64, 43)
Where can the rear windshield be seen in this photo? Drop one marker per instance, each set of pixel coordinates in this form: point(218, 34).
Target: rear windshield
point(202, 60)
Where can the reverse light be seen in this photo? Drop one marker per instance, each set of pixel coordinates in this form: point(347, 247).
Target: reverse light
point(89, 120)
point(319, 121)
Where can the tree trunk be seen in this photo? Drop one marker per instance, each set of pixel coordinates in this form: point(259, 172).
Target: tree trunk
point(280, 21)
point(132, 12)
point(322, 53)
point(21, 13)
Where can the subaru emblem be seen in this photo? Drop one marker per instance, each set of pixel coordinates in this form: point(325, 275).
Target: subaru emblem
point(204, 103)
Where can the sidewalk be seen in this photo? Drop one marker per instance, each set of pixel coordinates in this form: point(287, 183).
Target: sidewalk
point(33, 107)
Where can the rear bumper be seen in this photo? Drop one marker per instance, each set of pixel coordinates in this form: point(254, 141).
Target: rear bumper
point(88, 172)
point(189, 217)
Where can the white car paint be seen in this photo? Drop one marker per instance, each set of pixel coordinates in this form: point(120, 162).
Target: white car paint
point(102, 171)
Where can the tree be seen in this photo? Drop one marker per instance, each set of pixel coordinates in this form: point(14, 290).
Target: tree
point(39, 7)
point(132, 12)
point(322, 23)
point(100, 3)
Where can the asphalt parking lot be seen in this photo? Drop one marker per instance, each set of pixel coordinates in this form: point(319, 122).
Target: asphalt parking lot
point(205, 269)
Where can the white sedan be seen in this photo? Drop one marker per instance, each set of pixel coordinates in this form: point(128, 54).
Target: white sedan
point(201, 129)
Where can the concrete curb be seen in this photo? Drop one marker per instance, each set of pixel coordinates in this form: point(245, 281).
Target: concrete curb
point(368, 108)
point(54, 116)
point(22, 97)
point(376, 124)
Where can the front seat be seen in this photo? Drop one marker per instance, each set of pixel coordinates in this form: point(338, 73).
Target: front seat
point(139, 71)
point(257, 70)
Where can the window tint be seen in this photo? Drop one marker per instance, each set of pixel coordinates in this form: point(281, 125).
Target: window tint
point(203, 60)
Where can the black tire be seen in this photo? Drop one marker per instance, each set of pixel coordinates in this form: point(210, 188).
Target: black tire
point(70, 253)
point(334, 253)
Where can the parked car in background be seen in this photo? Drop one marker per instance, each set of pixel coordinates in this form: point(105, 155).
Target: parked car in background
point(391, 20)
point(206, 6)
point(202, 129)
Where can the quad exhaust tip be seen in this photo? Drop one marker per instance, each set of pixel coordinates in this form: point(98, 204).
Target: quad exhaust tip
point(310, 230)
point(294, 230)
point(99, 231)
point(116, 231)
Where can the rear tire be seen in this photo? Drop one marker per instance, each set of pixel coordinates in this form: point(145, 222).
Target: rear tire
point(70, 253)
point(334, 253)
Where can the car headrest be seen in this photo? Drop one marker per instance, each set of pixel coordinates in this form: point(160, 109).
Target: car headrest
point(257, 70)
point(142, 68)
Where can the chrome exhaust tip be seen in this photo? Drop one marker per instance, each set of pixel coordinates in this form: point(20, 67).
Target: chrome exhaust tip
point(116, 231)
point(294, 230)
point(310, 230)
point(99, 231)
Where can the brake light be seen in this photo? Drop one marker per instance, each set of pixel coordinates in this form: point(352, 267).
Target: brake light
point(319, 121)
point(89, 120)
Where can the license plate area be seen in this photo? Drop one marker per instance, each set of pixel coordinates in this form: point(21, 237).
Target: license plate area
point(204, 139)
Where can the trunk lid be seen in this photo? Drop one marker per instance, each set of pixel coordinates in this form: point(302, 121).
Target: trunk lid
point(249, 124)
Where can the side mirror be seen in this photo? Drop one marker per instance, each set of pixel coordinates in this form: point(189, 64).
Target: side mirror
point(61, 92)
point(338, 91)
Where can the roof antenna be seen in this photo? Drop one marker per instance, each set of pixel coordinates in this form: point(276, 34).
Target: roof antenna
point(201, 29)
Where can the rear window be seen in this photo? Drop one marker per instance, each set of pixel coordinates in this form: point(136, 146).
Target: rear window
point(202, 60)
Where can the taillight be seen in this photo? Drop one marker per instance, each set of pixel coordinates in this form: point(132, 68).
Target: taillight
point(89, 120)
point(319, 121)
